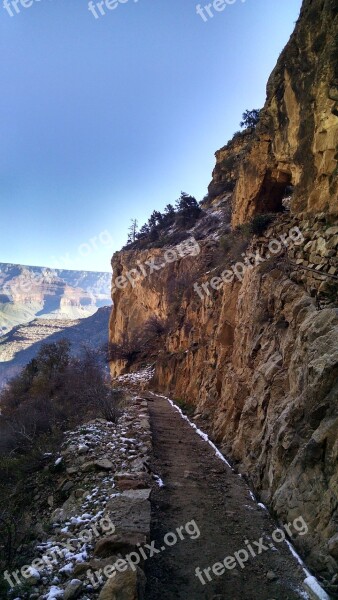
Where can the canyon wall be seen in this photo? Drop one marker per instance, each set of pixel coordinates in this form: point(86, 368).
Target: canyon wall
point(296, 140)
point(256, 354)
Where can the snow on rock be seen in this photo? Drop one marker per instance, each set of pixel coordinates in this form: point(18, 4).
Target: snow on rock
point(201, 433)
point(78, 524)
point(159, 481)
point(54, 592)
point(139, 377)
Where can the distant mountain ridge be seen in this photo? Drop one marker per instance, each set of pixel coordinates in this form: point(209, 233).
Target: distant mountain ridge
point(29, 292)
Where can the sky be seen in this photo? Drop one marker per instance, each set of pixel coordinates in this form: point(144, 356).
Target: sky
point(107, 119)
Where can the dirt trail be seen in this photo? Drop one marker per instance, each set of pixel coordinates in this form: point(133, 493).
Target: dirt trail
point(199, 486)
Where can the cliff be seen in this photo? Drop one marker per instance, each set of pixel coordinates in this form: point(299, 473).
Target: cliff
point(296, 140)
point(244, 327)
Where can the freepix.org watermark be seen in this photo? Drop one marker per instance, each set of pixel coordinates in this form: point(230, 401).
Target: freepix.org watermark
point(190, 530)
point(251, 260)
point(251, 550)
point(189, 247)
point(29, 279)
point(207, 12)
point(13, 7)
point(98, 9)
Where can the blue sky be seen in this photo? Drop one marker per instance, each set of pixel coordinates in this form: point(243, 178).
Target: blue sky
point(107, 119)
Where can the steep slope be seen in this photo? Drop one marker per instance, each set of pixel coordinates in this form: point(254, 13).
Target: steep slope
point(246, 328)
point(22, 343)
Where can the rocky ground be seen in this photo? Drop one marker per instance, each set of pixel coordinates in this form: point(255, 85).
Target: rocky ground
point(103, 471)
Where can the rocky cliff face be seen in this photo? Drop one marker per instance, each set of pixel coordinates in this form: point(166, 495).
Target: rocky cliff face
point(247, 328)
point(296, 140)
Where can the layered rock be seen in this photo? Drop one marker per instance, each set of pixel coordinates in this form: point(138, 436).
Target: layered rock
point(228, 163)
point(30, 292)
point(23, 343)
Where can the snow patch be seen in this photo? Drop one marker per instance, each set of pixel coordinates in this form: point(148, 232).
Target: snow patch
point(54, 592)
point(201, 433)
point(313, 587)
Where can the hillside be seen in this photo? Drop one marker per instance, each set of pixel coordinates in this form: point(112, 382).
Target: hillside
point(23, 342)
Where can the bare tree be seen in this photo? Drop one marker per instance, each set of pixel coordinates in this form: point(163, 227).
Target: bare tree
point(132, 231)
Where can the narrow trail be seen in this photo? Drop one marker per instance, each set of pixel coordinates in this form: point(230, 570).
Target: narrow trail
point(199, 486)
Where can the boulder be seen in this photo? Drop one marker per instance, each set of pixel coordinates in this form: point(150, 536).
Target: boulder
point(102, 464)
point(128, 585)
point(129, 513)
point(73, 589)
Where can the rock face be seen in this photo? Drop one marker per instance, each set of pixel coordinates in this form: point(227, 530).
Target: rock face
point(296, 140)
point(257, 355)
point(228, 163)
point(125, 586)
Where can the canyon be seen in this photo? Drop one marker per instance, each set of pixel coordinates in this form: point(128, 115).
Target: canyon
point(256, 359)
point(28, 292)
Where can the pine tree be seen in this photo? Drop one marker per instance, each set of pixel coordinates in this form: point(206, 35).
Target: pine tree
point(169, 210)
point(188, 210)
point(144, 231)
point(250, 118)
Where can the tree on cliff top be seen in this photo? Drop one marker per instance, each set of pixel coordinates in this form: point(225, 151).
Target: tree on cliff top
point(250, 118)
point(188, 209)
point(132, 231)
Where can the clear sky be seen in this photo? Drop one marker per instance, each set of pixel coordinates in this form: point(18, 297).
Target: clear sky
point(107, 119)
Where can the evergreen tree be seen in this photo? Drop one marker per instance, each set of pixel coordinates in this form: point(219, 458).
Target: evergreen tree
point(169, 215)
point(155, 219)
point(144, 231)
point(169, 210)
point(250, 119)
point(188, 209)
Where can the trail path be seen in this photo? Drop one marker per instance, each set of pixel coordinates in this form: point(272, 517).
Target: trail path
point(199, 486)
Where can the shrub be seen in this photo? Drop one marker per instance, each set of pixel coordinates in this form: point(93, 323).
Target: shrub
point(186, 408)
point(108, 404)
point(260, 223)
point(128, 349)
point(48, 397)
point(155, 327)
point(244, 230)
point(225, 243)
point(250, 118)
